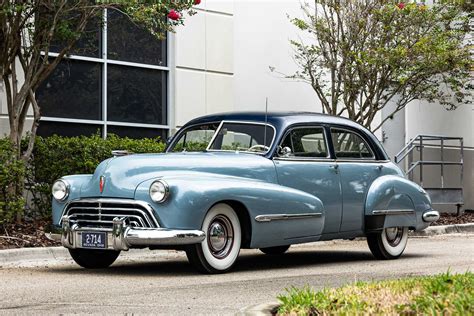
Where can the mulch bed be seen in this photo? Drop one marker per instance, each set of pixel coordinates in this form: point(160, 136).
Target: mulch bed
point(450, 219)
point(31, 234)
point(27, 234)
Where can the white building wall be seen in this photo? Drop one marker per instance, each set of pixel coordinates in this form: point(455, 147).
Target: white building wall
point(204, 60)
point(262, 35)
point(429, 118)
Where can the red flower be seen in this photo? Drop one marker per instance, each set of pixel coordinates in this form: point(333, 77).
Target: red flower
point(173, 15)
point(401, 5)
point(196, 2)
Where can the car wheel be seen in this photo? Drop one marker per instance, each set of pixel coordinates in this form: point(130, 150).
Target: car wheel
point(94, 259)
point(219, 251)
point(389, 244)
point(275, 250)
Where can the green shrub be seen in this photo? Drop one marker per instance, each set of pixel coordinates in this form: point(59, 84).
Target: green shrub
point(56, 156)
point(12, 172)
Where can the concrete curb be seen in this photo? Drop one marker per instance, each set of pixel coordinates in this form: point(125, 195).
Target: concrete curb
point(259, 310)
point(446, 229)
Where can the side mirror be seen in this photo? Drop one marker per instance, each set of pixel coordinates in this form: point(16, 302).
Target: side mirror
point(284, 151)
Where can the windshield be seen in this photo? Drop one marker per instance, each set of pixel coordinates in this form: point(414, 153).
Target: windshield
point(227, 136)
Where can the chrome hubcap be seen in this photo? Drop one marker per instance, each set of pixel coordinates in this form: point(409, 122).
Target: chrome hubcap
point(220, 236)
point(394, 235)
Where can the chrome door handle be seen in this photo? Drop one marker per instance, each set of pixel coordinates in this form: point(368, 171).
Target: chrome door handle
point(379, 168)
point(335, 167)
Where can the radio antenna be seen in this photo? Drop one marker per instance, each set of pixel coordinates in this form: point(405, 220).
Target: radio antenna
point(266, 120)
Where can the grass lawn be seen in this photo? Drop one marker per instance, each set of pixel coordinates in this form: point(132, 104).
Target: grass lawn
point(443, 294)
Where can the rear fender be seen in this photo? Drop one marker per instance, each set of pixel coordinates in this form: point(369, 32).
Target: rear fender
point(395, 201)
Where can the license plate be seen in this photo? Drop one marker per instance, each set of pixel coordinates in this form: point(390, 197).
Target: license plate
point(94, 240)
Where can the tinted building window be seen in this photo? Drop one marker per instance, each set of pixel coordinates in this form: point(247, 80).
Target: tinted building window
point(137, 132)
point(128, 42)
point(73, 90)
point(136, 95)
point(46, 129)
point(88, 44)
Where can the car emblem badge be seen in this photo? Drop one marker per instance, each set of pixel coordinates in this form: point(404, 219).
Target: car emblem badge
point(101, 183)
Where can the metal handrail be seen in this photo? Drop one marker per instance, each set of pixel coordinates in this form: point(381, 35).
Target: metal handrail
point(420, 142)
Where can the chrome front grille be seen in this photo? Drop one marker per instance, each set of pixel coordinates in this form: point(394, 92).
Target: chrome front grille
point(99, 213)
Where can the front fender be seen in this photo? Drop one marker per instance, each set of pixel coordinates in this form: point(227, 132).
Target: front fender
point(75, 184)
point(192, 194)
point(395, 201)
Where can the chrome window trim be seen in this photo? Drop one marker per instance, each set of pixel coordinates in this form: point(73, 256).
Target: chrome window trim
point(143, 204)
point(325, 159)
point(181, 131)
point(241, 122)
point(361, 161)
point(374, 158)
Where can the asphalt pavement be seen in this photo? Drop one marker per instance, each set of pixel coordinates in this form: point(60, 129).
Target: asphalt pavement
point(162, 282)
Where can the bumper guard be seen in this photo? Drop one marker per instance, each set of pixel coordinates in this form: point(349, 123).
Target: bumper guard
point(124, 237)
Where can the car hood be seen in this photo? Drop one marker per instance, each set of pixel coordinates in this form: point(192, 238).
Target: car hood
point(123, 174)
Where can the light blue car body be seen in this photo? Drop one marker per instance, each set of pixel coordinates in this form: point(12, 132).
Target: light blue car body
point(354, 197)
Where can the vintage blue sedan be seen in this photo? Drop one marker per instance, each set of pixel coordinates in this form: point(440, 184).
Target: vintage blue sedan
point(242, 180)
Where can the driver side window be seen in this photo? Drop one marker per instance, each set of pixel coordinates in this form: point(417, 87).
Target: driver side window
point(306, 142)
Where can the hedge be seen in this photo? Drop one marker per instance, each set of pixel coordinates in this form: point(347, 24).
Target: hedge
point(12, 171)
point(57, 156)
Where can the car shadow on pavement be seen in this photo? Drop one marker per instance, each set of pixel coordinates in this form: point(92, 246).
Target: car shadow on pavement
point(305, 258)
point(246, 262)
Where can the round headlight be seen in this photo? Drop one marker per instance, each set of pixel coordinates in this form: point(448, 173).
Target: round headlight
point(60, 190)
point(159, 191)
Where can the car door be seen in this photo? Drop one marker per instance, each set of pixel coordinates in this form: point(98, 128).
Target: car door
point(304, 164)
point(358, 168)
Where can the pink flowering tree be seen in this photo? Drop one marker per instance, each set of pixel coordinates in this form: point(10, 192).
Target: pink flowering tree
point(360, 55)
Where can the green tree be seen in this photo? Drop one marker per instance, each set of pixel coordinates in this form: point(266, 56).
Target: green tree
point(28, 29)
point(359, 55)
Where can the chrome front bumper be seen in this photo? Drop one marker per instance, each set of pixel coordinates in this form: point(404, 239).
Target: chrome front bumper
point(124, 237)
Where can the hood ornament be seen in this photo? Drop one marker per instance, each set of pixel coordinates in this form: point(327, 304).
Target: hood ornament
point(101, 183)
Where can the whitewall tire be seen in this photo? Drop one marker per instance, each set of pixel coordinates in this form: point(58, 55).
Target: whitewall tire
point(388, 244)
point(219, 251)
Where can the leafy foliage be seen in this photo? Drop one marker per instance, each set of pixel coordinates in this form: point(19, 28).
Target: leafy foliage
point(29, 29)
point(58, 156)
point(360, 55)
point(441, 294)
point(53, 158)
point(12, 171)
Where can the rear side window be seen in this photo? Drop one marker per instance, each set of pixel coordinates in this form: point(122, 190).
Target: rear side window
point(348, 144)
point(306, 142)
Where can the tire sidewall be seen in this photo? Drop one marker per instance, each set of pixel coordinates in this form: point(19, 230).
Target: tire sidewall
point(227, 262)
point(394, 251)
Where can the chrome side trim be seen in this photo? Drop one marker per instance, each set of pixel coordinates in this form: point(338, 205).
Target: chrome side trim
point(280, 217)
point(430, 216)
point(393, 212)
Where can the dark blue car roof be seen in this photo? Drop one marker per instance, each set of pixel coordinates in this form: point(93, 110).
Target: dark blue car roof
point(282, 120)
